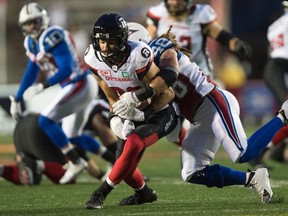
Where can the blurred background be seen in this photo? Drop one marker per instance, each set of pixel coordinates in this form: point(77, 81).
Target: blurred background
point(247, 19)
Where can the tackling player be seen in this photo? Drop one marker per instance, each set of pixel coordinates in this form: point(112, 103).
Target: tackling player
point(213, 112)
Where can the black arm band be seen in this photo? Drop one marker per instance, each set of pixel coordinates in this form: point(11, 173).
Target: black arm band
point(144, 93)
point(148, 111)
point(110, 116)
point(224, 38)
point(168, 74)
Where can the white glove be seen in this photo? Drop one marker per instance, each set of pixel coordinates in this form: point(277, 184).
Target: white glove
point(128, 127)
point(132, 114)
point(32, 91)
point(116, 126)
point(127, 100)
point(15, 108)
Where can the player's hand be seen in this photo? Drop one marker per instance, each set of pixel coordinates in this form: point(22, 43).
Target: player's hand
point(116, 126)
point(15, 108)
point(242, 49)
point(127, 100)
point(128, 127)
point(132, 114)
point(32, 91)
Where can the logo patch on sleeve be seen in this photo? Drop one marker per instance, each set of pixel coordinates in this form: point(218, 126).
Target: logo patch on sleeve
point(145, 52)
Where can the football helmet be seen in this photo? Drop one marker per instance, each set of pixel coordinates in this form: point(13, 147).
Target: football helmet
point(33, 12)
point(179, 9)
point(111, 26)
point(285, 5)
point(137, 32)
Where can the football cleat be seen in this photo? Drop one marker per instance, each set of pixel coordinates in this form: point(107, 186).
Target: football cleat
point(259, 181)
point(96, 201)
point(284, 112)
point(138, 199)
point(73, 170)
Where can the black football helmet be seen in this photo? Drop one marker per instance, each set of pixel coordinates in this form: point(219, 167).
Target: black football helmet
point(111, 26)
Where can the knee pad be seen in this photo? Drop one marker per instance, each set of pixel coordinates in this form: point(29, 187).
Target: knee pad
point(211, 176)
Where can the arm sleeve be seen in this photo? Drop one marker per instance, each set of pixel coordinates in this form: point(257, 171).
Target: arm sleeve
point(28, 79)
point(63, 60)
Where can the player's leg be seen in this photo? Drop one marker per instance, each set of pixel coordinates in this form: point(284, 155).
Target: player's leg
point(125, 166)
point(72, 98)
point(229, 131)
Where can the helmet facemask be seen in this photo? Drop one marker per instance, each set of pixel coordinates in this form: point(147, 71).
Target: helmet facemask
point(111, 27)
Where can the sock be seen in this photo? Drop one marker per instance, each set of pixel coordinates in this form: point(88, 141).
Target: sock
point(73, 156)
point(108, 156)
point(128, 160)
point(260, 139)
point(86, 143)
point(54, 171)
point(280, 135)
point(11, 173)
point(112, 147)
point(105, 189)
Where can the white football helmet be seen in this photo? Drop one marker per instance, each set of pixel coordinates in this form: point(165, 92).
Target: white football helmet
point(33, 12)
point(137, 32)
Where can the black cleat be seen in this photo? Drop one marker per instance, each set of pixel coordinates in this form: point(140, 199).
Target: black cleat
point(96, 201)
point(138, 199)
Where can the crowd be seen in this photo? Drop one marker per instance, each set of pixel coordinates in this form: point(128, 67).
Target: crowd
point(135, 86)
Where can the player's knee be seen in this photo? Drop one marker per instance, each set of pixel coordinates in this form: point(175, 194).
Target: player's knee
point(135, 143)
point(211, 176)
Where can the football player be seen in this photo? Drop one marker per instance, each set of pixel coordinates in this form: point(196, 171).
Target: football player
point(51, 49)
point(125, 69)
point(212, 112)
point(192, 24)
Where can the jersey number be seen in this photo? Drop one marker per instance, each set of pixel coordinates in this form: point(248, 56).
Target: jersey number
point(180, 89)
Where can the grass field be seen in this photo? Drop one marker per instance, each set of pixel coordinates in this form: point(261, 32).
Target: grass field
point(161, 163)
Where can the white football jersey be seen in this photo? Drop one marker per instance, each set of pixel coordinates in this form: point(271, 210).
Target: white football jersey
point(128, 76)
point(191, 86)
point(188, 32)
point(277, 35)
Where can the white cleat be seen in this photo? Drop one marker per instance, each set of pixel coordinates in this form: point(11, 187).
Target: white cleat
point(261, 183)
point(72, 171)
point(284, 112)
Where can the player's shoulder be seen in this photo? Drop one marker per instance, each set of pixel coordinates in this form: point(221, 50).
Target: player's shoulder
point(204, 12)
point(140, 50)
point(89, 54)
point(52, 36)
point(159, 10)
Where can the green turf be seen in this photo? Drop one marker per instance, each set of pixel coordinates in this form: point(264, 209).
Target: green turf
point(161, 163)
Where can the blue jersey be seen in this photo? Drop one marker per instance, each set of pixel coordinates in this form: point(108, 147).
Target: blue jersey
point(159, 45)
point(55, 55)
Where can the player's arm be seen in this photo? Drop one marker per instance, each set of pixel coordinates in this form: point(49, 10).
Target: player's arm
point(226, 39)
point(152, 29)
point(163, 77)
point(110, 94)
point(28, 79)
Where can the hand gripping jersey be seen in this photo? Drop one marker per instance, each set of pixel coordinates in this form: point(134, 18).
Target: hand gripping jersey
point(191, 85)
point(188, 32)
point(126, 77)
point(278, 37)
